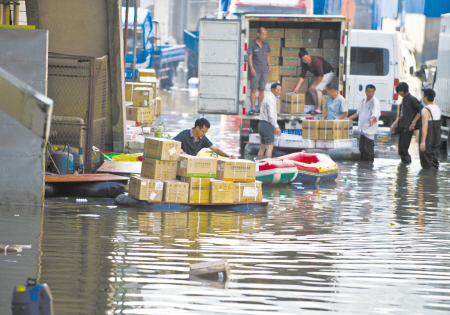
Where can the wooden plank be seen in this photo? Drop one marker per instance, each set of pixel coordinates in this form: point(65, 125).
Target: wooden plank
point(120, 167)
point(84, 178)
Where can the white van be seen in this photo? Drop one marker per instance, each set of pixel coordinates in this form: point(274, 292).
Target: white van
point(383, 59)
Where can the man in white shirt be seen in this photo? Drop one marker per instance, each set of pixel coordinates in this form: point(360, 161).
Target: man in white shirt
point(369, 113)
point(268, 126)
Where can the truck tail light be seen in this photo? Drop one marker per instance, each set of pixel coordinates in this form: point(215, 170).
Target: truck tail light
point(342, 40)
point(245, 66)
point(395, 96)
point(244, 89)
point(245, 46)
point(341, 92)
point(245, 125)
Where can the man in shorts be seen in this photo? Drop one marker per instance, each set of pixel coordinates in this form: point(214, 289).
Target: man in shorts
point(322, 70)
point(268, 126)
point(259, 62)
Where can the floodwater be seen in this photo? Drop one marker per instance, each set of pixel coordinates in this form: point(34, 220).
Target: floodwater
point(377, 241)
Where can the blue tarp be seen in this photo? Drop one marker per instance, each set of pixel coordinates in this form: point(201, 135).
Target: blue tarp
point(327, 7)
point(382, 9)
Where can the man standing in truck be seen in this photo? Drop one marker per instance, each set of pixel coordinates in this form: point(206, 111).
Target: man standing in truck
point(259, 62)
point(322, 70)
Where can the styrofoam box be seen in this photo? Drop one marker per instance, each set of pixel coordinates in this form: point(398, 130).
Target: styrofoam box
point(334, 144)
point(254, 138)
point(308, 108)
point(292, 124)
point(294, 141)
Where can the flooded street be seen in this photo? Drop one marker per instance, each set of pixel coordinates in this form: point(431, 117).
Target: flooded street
point(376, 241)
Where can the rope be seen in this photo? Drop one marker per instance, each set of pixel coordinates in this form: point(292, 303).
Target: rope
point(97, 150)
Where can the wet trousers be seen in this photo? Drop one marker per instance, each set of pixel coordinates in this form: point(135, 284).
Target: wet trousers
point(404, 140)
point(367, 148)
point(428, 158)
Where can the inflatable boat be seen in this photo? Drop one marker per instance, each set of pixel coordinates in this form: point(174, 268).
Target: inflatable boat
point(276, 171)
point(313, 167)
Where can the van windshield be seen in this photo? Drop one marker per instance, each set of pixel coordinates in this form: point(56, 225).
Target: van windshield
point(369, 61)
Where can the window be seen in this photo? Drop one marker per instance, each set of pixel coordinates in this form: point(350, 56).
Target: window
point(369, 61)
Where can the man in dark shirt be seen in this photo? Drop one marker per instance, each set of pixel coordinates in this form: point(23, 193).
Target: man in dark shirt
point(322, 70)
point(410, 109)
point(193, 140)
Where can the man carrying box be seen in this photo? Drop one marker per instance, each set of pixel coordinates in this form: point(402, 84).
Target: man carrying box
point(194, 139)
point(268, 126)
point(336, 107)
point(322, 70)
point(259, 62)
point(368, 113)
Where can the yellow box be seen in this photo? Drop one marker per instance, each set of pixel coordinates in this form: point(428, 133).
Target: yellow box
point(278, 106)
point(315, 52)
point(291, 62)
point(328, 130)
point(311, 33)
point(140, 114)
point(288, 71)
point(197, 166)
point(275, 75)
point(293, 42)
point(157, 106)
point(151, 73)
point(290, 52)
point(162, 149)
point(293, 103)
point(142, 97)
point(198, 189)
point(274, 42)
point(156, 169)
point(344, 127)
point(275, 32)
point(247, 192)
point(310, 129)
point(236, 170)
point(145, 188)
point(275, 51)
point(293, 31)
point(310, 43)
point(221, 191)
point(129, 86)
point(176, 191)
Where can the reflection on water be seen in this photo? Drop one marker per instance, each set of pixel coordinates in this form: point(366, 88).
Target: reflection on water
point(375, 241)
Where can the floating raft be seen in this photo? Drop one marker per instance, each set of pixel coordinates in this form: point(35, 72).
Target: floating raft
point(85, 185)
point(128, 201)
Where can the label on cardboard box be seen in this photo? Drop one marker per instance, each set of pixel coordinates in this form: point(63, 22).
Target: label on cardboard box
point(242, 193)
point(250, 192)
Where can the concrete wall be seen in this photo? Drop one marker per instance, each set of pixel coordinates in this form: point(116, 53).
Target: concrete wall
point(88, 28)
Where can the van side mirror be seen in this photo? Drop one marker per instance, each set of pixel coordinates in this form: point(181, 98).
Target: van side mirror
point(411, 70)
point(422, 74)
point(152, 39)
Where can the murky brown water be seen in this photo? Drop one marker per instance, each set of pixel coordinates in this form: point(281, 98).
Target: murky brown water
point(377, 241)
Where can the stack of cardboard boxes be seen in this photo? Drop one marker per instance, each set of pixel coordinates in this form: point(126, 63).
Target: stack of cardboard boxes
point(143, 96)
point(329, 134)
point(167, 176)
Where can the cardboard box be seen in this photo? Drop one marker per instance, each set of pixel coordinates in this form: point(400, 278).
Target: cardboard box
point(288, 71)
point(130, 86)
point(291, 62)
point(330, 53)
point(247, 192)
point(275, 32)
point(334, 144)
point(293, 42)
point(294, 104)
point(274, 42)
point(295, 141)
point(311, 33)
point(147, 80)
point(197, 166)
point(330, 34)
point(330, 44)
point(157, 106)
point(333, 62)
point(140, 114)
point(275, 51)
point(253, 33)
point(328, 130)
point(315, 52)
point(221, 191)
point(289, 83)
point(308, 73)
point(151, 73)
point(275, 61)
point(278, 106)
point(176, 191)
point(198, 189)
point(142, 97)
point(344, 127)
point(310, 43)
point(156, 169)
point(162, 149)
point(293, 31)
point(310, 129)
point(275, 75)
point(143, 188)
point(236, 170)
point(290, 52)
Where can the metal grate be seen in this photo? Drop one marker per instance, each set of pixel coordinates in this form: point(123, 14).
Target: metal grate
point(78, 86)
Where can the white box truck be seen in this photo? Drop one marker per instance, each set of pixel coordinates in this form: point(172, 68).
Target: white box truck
point(442, 78)
point(223, 60)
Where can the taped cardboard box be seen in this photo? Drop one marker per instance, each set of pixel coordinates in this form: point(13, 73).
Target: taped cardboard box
point(291, 62)
point(315, 52)
point(278, 106)
point(275, 75)
point(331, 129)
point(288, 71)
point(275, 51)
point(236, 170)
point(293, 42)
point(176, 191)
point(143, 188)
point(289, 83)
point(274, 42)
point(311, 33)
point(247, 192)
point(290, 52)
point(293, 31)
point(130, 86)
point(310, 129)
point(275, 32)
point(330, 44)
point(140, 114)
point(221, 191)
point(310, 43)
point(142, 97)
point(156, 169)
point(157, 106)
point(198, 189)
point(293, 103)
point(162, 149)
point(197, 166)
point(146, 73)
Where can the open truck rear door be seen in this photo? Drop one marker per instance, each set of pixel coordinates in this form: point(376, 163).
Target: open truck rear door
point(219, 66)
